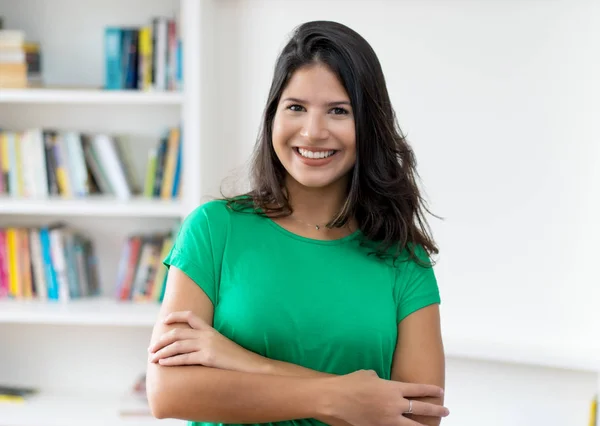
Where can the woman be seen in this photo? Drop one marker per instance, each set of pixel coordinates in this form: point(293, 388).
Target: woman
point(311, 299)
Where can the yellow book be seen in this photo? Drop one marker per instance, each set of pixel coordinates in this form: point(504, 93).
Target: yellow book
point(62, 167)
point(14, 278)
point(145, 65)
point(593, 411)
point(12, 399)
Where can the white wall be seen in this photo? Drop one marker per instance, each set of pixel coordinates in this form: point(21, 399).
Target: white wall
point(498, 99)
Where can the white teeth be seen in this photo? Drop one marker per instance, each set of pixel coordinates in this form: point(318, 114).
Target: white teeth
point(315, 154)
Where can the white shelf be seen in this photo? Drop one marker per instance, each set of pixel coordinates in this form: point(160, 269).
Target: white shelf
point(75, 410)
point(91, 206)
point(561, 356)
point(108, 312)
point(85, 311)
point(89, 96)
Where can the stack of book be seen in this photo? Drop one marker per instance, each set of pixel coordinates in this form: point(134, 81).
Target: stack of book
point(47, 263)
point(141, 275)
point(38, 163)
point(13, 59)
point(147, 58)
point(16, 394)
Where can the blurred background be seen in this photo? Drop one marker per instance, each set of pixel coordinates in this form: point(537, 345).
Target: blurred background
point(98, 100)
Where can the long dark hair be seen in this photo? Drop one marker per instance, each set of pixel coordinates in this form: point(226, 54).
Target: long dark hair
point(383, 195)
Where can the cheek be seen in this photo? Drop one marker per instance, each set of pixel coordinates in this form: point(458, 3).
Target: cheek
point(347, 136)
point(282, 131)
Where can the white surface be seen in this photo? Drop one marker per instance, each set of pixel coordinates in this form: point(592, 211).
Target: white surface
point(493, 394)
point(83, 96)
point(58, 409)
point(84, 311)
point(91, 206)
point(584, 359)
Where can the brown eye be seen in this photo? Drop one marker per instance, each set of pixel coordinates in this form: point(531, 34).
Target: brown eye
point(339, 111)
point(295, 108)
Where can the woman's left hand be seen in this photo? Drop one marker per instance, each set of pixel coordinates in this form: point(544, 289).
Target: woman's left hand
point(201, 344)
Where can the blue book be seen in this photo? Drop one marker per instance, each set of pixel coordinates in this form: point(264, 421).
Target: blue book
point(177, 174)
point(113, 58)
point(51, 279)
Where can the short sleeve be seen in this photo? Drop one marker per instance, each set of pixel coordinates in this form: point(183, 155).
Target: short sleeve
point(198, 246)
point(416, 286)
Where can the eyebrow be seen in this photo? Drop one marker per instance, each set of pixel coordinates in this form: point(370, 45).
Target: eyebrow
point(301, 101)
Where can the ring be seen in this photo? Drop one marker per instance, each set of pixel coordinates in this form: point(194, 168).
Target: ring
point(409, 411)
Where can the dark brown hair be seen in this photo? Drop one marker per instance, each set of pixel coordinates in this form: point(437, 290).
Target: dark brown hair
point(383, 194)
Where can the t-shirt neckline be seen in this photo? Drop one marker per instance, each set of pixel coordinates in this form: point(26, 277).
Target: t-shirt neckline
point(295, 236)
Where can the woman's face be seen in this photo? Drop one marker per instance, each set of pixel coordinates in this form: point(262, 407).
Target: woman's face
point(313, 128)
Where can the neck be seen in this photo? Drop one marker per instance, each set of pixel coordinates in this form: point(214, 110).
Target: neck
point(317, 206)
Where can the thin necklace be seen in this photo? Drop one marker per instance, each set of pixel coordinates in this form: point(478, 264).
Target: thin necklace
point(317, 227)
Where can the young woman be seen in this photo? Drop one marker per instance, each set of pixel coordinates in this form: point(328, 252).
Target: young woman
point(312, 298)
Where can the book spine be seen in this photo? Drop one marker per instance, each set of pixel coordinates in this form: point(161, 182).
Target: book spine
point(113, 58)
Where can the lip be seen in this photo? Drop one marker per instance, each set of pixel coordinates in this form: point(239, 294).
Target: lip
point(315, 149)
point(315, 162)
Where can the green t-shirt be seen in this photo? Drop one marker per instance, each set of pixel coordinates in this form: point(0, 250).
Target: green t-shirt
point(324, 305)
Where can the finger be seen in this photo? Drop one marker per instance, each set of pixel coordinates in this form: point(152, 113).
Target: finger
point(421, 408)
point(171, 337)
point(420, 390)
point(182, 359)
point(405, 421)
point(187, 317)
point(177, 348)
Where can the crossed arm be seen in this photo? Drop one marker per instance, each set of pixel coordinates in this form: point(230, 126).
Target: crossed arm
point(292, 391)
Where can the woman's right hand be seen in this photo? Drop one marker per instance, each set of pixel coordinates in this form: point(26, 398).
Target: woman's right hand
point(363, 399)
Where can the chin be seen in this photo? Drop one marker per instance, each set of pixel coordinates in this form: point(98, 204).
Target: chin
point(316, 182)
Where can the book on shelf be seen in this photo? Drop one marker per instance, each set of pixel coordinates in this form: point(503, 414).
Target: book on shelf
point(38, 163)
point(141, 276)
point(56, 263)
point(593, 418)
point(147, 58)
point(13, 59)
point(20, 60)
point(15, 394)
point(46, 263)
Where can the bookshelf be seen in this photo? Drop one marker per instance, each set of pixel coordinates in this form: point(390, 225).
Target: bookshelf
point(93, 386)
point(88, 96)
point(97, 206)
point(97, 311)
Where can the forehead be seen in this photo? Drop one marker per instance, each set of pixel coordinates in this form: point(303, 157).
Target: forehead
point(315, 82)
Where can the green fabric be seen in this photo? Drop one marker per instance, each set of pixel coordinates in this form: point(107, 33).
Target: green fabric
point(325, 305)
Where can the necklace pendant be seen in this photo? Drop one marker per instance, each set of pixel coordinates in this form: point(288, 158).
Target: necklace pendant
point(317, 227)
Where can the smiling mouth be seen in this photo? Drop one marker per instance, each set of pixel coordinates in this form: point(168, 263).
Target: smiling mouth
point(316, 155)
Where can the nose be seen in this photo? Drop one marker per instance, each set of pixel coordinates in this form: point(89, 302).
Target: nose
point(315, 128)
